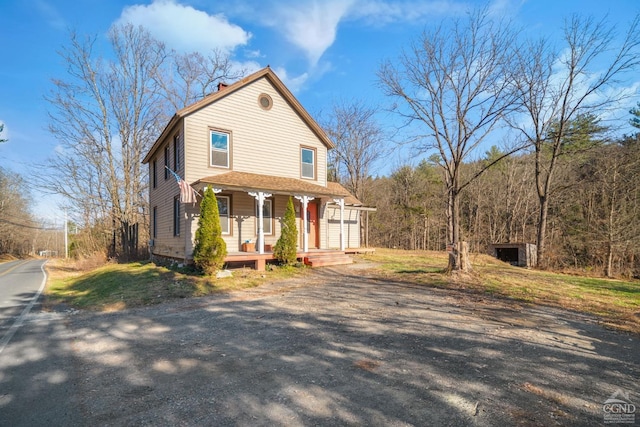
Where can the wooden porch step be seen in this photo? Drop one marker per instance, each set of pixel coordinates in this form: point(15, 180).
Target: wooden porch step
point(322, 260)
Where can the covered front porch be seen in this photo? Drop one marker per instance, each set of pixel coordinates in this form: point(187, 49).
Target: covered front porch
point(251, 207)
point(312, 258)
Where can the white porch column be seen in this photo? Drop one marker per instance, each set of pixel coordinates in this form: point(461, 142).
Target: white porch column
point(340, 203)
point(260, 196)
point(305, 236)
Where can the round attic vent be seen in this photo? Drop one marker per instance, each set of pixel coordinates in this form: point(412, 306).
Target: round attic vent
point(265, 101)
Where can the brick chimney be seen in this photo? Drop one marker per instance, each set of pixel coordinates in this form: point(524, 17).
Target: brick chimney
point(222, 86)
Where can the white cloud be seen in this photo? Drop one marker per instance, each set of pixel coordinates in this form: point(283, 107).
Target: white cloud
point(377, 12)
point(505, 8)
point(253, 53)
point(248, 67)
point(294, 84)
point(59, 149)
point(184, 28)
point(51, 14)
point(311, 26)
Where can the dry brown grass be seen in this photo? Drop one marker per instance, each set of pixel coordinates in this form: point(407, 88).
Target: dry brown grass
point(615, 302)
point(7, 258)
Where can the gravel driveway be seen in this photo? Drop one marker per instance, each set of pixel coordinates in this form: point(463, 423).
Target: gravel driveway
point(342, 348)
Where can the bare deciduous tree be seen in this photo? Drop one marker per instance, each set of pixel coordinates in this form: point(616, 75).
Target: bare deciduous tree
point(359, 142)
point(610, 223)
point(453, 84)
point(556, 87)
point(191, 76)
point(104, 116)
point(1, 130)
point(18, 231)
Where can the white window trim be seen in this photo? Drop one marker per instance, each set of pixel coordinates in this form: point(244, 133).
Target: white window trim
point(228, 150)
point(313, 165)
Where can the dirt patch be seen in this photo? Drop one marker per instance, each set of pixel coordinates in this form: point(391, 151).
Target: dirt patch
point(343, 347)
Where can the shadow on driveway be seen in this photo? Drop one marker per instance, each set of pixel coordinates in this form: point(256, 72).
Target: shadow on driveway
point(341, 349)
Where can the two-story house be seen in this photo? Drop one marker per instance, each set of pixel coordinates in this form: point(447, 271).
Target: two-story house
point(256, 146)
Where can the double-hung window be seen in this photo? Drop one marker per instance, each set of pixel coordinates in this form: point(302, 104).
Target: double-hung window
point(223, 211)
point(267, 215)
point(308, 163)
point(176, 216)
point(167, 150)
point(220, 149)
point(176, 153)
point(154, 168)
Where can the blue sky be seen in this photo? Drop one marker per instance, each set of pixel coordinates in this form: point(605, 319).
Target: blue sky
point(323, 50)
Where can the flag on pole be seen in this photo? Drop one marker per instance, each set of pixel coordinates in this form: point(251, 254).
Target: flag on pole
point(187, 193)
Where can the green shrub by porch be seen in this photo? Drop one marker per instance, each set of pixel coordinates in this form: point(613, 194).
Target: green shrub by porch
point(285, 249)
point(210, 249)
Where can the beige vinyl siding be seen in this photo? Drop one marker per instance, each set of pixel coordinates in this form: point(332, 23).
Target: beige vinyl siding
point(351, 227)
point(243, 221)
point(262, 141)
point(166, 244)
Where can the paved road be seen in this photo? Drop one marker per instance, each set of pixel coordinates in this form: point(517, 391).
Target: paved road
point(21, 283)
point(35, 359)
point(338, 347)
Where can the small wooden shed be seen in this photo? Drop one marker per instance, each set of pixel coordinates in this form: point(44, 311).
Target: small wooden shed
point(518, 254)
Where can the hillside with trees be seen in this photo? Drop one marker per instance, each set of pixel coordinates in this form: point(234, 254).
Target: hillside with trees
point(594, 216)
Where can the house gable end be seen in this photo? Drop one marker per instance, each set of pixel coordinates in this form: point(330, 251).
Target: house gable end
point(267, 73)
point(261, 140)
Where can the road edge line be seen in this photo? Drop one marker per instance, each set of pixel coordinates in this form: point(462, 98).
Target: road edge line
point(20, 320)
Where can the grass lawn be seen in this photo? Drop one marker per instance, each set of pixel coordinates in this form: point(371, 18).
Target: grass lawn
point(118, 286)
point(616, 302)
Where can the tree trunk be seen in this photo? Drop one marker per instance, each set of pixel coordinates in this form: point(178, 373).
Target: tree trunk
point(459, 254)
point(609, 267)
point(542, 231)
point(610, 223)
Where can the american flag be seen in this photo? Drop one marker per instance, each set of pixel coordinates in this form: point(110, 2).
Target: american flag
point(187, 193)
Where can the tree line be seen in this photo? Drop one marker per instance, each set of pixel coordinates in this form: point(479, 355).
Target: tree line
point(594, 216)
point(21, 233)
point(463, 84)
point(559, 178)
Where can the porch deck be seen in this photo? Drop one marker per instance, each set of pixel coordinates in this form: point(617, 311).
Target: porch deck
point(313, 257)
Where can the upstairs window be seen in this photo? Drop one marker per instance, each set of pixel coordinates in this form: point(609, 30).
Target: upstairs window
point(219, 149)
point(166, 161)
point(308, 164)
point(176, 153)
point(154, 168)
